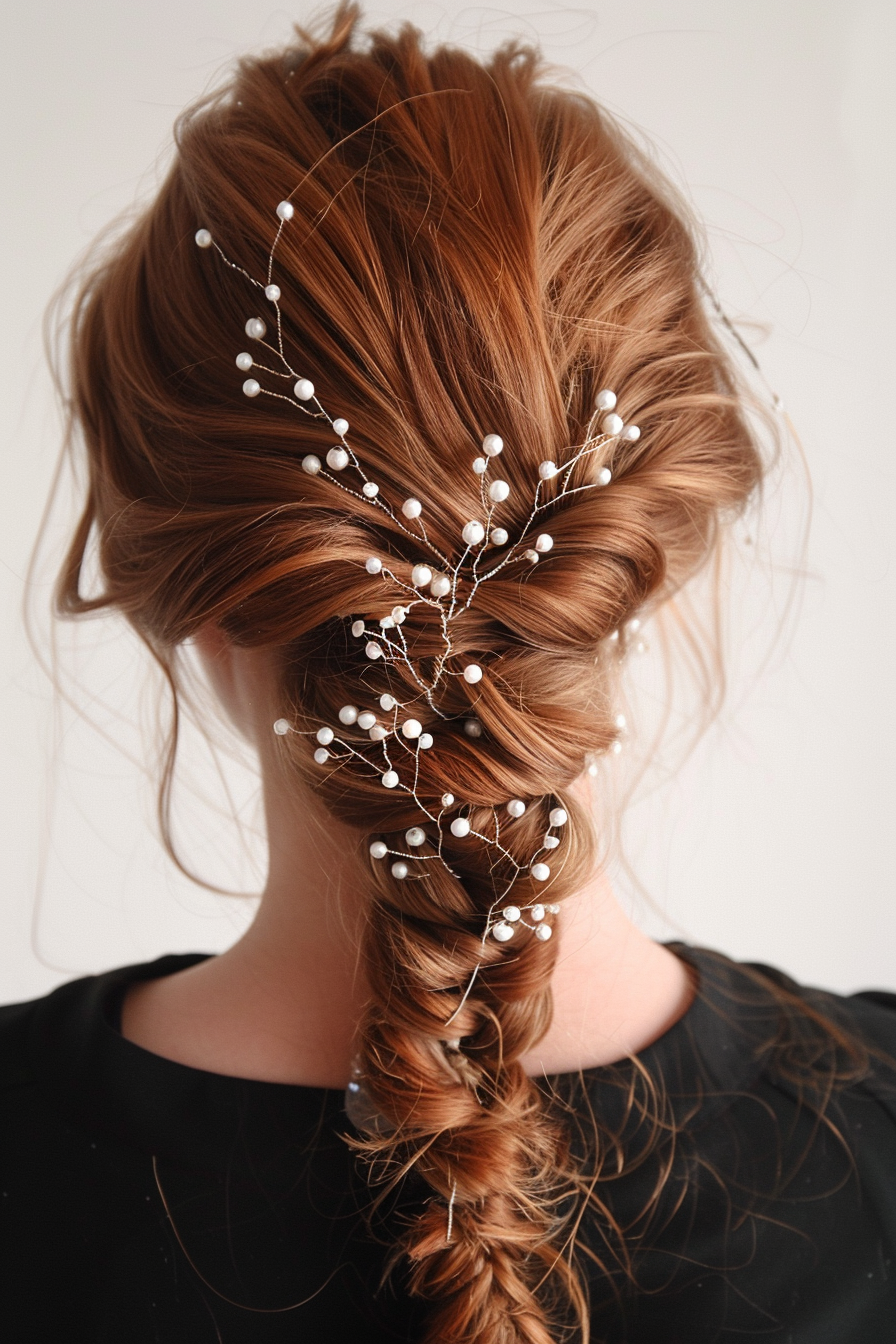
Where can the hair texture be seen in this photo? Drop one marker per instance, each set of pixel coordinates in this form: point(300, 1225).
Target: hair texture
point(472, 250)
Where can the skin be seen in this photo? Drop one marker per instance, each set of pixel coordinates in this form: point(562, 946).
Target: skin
point(282, 1005)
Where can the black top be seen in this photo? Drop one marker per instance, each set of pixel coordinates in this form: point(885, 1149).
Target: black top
point(767, 1228)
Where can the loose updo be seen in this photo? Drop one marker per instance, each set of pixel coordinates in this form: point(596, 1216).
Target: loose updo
point(471, 251)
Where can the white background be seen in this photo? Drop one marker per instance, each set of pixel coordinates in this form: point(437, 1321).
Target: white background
point(775, 840)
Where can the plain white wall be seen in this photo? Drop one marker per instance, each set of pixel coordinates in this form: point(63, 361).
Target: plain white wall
point(775, 840)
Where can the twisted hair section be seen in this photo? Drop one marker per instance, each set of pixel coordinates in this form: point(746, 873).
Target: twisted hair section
point(471, 251)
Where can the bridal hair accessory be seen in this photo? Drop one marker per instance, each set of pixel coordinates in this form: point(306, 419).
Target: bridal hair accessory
point(389, 738)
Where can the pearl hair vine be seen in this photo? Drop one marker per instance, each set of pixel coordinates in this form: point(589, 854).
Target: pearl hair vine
point(389, 740)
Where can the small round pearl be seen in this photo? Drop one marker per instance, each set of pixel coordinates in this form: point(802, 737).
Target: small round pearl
point(540, 871)
point(620, 721)
point(425, 741)
point(421, 575)
point(613, 636)
point(325, 736)
point(255, 328)
point(399, 869)
point(412, 508)
point(358, 629)
point(605, 400)
point(373, 564)
point(631, 434)
point(512, 913)
point(604, 476)
point(460, 827)
point(473, 533)
point(203, 238)
point(411, 728)
point(321, 755)
point(480, 465)
point(472, 673)
point(311, 464)
point(348, 714)
point(304, 389)
point(611, 424)
point(251, 387)
point(387, 702)
point(492, 445)
point(536, 914)
point(281, 727)
point(558, 816)
point(550, 842)
point(373, 650)
point(398, 614)
point(447, 799)
point(502, 932)
point(499, 536)
point(379, 849)
point(548, 470)
point(415, 837)
point(390, 779)
point(616, 747)
point(543, 932)
point(498, 491)
point(377, 733)
point(337, 458)
point(633, 626)
point(473, 728)
point(387, 623)
point(516, 807)
point(340, 427)
point(553, 909)
point(370, 489)
point(543, 543)
point(592, 769)
point(286, 210)
point(244, 361)
point(440, 586)
point(272, 292)
point(366, 720)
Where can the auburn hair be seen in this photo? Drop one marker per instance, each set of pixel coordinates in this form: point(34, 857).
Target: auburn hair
point(472, 250)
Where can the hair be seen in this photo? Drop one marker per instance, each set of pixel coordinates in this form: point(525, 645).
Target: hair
point(472, 250)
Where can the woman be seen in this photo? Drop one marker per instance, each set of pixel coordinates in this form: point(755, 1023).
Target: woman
point(403, 404)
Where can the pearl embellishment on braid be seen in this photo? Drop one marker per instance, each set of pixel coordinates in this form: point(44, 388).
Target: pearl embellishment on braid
point(540, 871)
point(411, 728)
point(558, 816)
point(304, 389)
point(358, 629)
point(421, 575)
point(244, 361)
point(272, 292)
point(390, 779)
point(500, 536)
point(325, 736)
point(543, 932)
point(498, 491)
point(348, 715)
point(440, 586)
point(321, 756)
point(251, 387)
point(340, 426)
point(379, 849)
point(373, 564)
point(473, 533)
point(370, 489)
point(502, 932)
point(604, 476)
point(631, 434)
point(611, 424)
point(387, 702)
point(544, 543)
point(480, 465)
point(338, 459)
point(472, 673)
point(399, 870)
point(425, 741)
point(548, 470)
point(492, 445)
point(412, 508)
point(516, 807)
point(311, 464)
point(286, 210)
point(605, 400)
point(447, 799)
point(415, 837)
point(377, 733)
point(550, 842)
point(255, 328)
point(366, 720)
point(472, 728)
point(460, 827)
point(203, 238)
point(512, 913)
point(373, 650)
point(281, 726)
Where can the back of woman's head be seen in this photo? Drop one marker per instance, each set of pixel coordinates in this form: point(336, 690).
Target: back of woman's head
point(470, 252)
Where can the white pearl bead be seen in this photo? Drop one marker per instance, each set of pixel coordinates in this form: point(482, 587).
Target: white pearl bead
point(425, 741)
point(548, 470)
point(244, 361)
point(613, 636)
point(553, 909)
point(543, 543)
point(399, 869)
point(370, 489)
point(512, 913)
point(387, 702)
point(421, 575)
point(358, 629)
point(472, 673)
point(379, 849)
point(633, 626)
point(340, 426)
point(411, 728)
point(321, 756)
point(502, 932)
point(272, 292)
point(440, 586)
point(473, 533)
point(605, 400)
point(325, 736)
point(480, 465)
point(387, 623)
point(377, 732)
point(611, 424)
point(281, 727)
point(499, 536)
point(604, 476)
point(536, 913)
point(373, 650)
point(558, 816)
point(631, 434)
point(348, 714)
point(337, 458)
point(412, 508)
point(447, 799)
point(286, 210)
point(311, 464)
point(616, 747)
point(304, 389)
point(203, 238)
point(251, 387)
point(398, 614)
point(550, 842)
point(255, 328)
point(460, 827)
point(540, 871)
point(366, 720)
point(390, 779)
point(543, 932)
point(373, 565)
point(592, 769)
point(531, 556)
point(473, 728)
point(492, 445)
point(415, 837)
point(498, 491)
point(516, 807)
point(620, 721)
